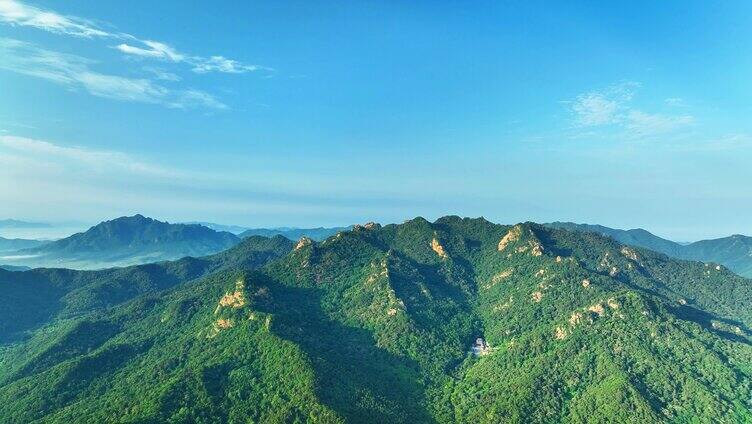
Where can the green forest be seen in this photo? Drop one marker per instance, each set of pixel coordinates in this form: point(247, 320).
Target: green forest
point(376, 324)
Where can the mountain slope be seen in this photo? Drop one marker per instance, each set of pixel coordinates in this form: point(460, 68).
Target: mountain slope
point(734, 252)
point(375, 325)
point(127, 241)
point(40, 296)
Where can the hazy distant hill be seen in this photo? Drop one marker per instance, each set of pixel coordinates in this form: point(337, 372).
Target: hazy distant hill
point(10, 245)
point(316, 234)
point(14, 268)
point(292, 233)
point(127, 241)
point(14, 223)
point(376, 325)
point(734, 252)
point(235, 229)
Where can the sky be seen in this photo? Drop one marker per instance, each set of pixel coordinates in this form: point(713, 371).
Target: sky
point(339, 112)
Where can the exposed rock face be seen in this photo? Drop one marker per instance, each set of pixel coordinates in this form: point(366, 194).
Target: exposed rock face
point(536, 248)
point(367, 226)
point(303, 242)
point(224, 323)
point(438, 248)
point(630, 253)
point(510, 237)
point(235, 299)
point(560, 334)
point(597, 308)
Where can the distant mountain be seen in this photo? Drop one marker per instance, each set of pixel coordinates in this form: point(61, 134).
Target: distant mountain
point(733, 252)
point(14, 223)
point(235, 229)
point(127, 241)
point(14, 268)
point(10, 245)
point(316, 234)
point(378, 325)
point(635, 237)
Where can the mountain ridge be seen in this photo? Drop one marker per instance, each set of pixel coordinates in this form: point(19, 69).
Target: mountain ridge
point(375, 324)
point(734, 252)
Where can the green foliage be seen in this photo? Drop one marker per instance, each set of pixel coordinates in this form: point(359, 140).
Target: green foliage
point(376, 324)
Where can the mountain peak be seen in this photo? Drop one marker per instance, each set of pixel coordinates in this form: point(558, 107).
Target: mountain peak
point(140, 238)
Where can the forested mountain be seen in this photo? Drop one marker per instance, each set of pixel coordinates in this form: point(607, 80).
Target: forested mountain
point(316, 234)
point(39, 296)
point(127, 241)
point(734, 252)
point(376, 324)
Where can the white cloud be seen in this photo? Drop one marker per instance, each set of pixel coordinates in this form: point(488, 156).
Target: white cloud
point(75, 72)
point(611, 108)
point(97, 161)
point(154, 49)
point(595, 109)
point(200, 65)
point(13, 12)
point(222, 64)
point(163, 75)
point(675, 101)
point(73, 182)
point(17, 13)
point(603, 107)
point(646, 124)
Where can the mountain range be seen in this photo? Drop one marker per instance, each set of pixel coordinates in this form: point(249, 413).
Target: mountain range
point(316, 234)
point(457, 320)
point(137, 240)
point(734, 252)
point(125, 241)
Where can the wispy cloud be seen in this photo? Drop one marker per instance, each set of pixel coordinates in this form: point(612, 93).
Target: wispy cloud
point(605, 106)
point(675, 101)
point(75, 72)
point(20, 14)
point(612, 108)
point(161, 74)
point(222, 64)
point(153, 49)
point(200, 65)
point(72, 180)
point(16, 13)
point(94, 160)
point(646, 124)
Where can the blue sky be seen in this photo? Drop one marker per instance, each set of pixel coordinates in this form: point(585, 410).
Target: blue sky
point(330, 113)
